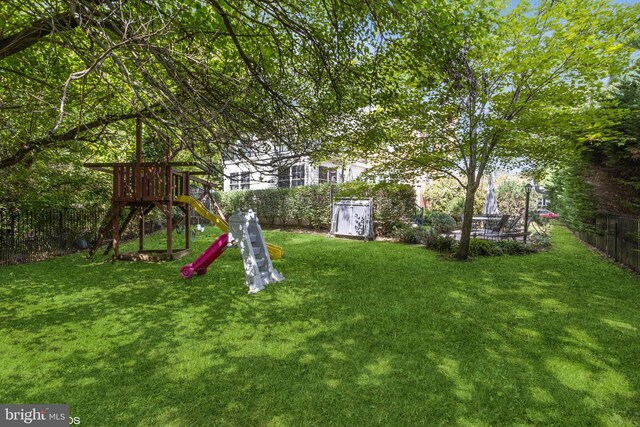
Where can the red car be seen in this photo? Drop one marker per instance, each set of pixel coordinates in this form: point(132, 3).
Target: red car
point(545, 213)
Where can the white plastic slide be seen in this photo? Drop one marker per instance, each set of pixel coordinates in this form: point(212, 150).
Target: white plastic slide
point(245, 230)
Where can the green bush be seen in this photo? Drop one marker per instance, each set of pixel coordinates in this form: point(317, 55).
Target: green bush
point(572, 195)
point(269, 204)
point(512, 247)
point(440, 243)
point(440, 222)
point(314, 205)
point(233, 200)
point(310, 206)
point(411, 234)
point(479, 247)
point(540, 241)
point(446, 195)
point(393, 204)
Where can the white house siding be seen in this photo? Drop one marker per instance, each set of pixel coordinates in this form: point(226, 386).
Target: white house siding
point(354, 170)
point(257, 180)
point(261, 180)
point(308, 178)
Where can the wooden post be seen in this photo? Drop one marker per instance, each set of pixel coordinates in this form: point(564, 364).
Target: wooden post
point(169, 201)
point(138, 168)
point(115, 234)
point(115, 213)
point(185, 191)
point(141, 230)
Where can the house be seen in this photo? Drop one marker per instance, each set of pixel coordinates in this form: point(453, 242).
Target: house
point(281, 169)
point(284, 170)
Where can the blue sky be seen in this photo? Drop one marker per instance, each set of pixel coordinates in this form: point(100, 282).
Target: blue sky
point(513, 2)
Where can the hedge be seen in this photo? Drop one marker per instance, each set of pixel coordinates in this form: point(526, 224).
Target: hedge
point(310, 206)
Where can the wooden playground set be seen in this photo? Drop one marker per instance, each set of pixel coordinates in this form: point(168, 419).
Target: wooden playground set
point(141, 186)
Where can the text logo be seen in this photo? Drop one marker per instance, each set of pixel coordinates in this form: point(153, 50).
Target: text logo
point(34, 415)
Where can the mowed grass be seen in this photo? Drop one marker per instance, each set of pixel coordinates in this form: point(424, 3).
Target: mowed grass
point(359, 333)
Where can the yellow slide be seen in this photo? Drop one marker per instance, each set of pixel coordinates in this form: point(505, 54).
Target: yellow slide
point(275, 252)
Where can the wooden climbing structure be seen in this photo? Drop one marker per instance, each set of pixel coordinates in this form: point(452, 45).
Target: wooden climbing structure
point(140, 187)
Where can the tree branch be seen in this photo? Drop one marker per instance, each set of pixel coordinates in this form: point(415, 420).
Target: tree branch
point(35, 32)
point(69, 135)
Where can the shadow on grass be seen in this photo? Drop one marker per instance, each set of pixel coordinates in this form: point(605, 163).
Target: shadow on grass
point(358, 333)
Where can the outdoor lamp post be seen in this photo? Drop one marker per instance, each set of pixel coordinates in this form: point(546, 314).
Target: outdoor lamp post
point(527, 190)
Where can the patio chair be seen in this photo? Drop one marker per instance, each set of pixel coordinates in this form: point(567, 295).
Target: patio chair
point(511, 225)
point(494, 229)
point(475, 230)
point(513, 231)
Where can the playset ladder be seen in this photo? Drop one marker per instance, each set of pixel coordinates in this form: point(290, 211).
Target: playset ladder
point(245, 230)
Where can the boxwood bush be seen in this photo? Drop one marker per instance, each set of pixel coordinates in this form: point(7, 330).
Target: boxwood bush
point(440, 222)
point(411, 234)
point(439, 243)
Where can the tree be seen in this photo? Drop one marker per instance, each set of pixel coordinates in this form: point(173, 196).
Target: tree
point(604, 176)
point(470, 85)
point(215, 76)
point(209, 77)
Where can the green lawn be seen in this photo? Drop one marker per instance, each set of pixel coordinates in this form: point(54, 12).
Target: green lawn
point(359, 333)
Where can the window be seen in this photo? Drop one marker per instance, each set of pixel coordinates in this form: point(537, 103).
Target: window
point(284, 177)
point(291, 176)
point(297, 175)
point(239, 181)
point(326, 174)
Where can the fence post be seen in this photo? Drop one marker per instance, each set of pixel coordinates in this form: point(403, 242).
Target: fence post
point(617, 237)
point(330, 207)
point(606, 242)
point(2, 237)
point(12, 217)
point(60, 238)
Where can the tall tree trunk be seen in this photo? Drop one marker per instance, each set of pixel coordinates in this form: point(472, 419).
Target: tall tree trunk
point(467, 220)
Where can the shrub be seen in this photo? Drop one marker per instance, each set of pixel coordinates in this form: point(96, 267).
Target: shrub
point(409, 234)
point(310, 206)
point(440, 243)
point(446, 195)
point(511, 247)
point(269, 204)
point(479, 247)
point(393, 204)
point(440, 222)
point(540, 241)
point(572, 195)
point(314, 203)
point(233, 200)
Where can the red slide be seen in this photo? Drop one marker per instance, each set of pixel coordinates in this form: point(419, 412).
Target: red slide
point(205, 259)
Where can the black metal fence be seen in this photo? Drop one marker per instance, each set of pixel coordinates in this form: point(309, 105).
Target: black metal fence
point(616, 235)
point(30, 235)
point(34, 235)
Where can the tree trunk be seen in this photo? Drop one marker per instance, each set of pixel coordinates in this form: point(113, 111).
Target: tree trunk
point(467, 220)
